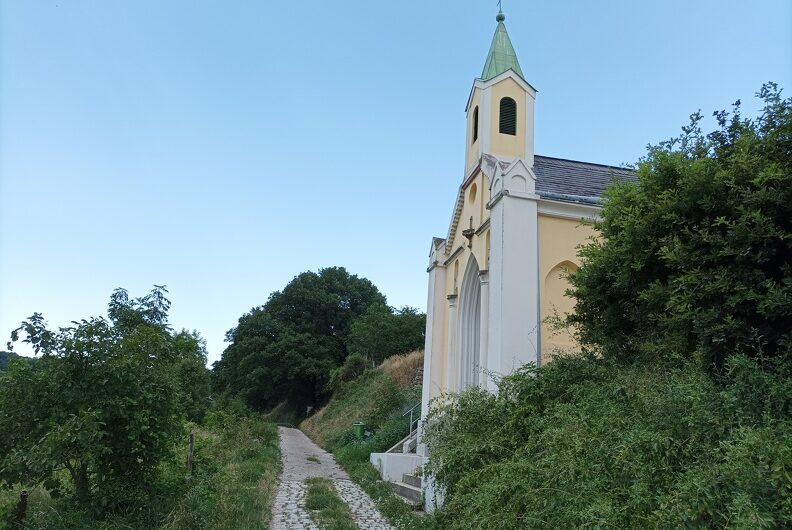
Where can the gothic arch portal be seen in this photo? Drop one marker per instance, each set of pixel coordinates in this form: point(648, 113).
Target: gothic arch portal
point(470, 326)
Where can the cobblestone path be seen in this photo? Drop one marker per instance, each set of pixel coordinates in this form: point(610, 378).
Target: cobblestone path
point(303, 459)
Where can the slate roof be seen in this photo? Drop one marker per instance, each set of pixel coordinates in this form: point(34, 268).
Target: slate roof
point(570, 180)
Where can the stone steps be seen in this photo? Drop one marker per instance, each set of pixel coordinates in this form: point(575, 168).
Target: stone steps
point(409, 489)
point(412, 480)
point(407, 492)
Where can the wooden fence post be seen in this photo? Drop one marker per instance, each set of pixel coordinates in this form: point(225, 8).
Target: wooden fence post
point(190, 454)
point(22, 506)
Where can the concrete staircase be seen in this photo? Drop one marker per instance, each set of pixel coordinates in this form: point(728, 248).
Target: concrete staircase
point(400, 465)
point(409, 489)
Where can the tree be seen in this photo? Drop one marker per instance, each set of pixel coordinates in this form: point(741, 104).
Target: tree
point(101, 402)
point(696, 257)
point(288, 348)
point(383, 331)
point(6, 357)
point(191, 375)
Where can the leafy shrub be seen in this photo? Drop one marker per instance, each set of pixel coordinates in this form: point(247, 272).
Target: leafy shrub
point(354, 366)
point(383, 331)
point(103, 404)
point(694, 259)
point(586, 442)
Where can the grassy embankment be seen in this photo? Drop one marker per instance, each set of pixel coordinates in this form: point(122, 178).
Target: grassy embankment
point(378, 398)
point(236, 464)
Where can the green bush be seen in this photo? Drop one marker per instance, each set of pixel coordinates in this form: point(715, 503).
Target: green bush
point(234, 474)
point(97, 416)
point(694, 258)
point(586, 442)
point(383, 331)
point(354, 366)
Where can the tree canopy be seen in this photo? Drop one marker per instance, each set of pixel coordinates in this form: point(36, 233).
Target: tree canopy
point(696, 257)
point(288, 348)
point(384, 331)
point(103, 402)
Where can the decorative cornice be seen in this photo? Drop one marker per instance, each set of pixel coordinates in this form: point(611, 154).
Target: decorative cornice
point(472, 176)
point(455, 219)
point(569, 210)
point(483, 227)
point(514, 194)
point(453, 256)
point(435, 265)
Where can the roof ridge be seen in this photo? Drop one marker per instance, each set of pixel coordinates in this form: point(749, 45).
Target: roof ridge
point(584, 162)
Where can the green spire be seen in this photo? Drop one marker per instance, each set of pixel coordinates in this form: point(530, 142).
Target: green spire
point(501, 55)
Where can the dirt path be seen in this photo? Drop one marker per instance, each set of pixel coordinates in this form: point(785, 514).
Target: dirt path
point(303, 459)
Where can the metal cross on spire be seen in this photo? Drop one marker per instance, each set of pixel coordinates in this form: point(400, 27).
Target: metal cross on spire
point(501, 17)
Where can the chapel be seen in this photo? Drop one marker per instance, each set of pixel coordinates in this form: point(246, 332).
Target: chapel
point(498, 277)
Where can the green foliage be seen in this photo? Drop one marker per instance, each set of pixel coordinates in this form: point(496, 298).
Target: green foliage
point(374, 399)
point(236, 463)
point(102, 406)
point(586, 442)
point(7, 356)
point(354, 366)
point(382, 332)
point(289, 347)
point(191, 375)
point(695, 257)
point(234, 475)
point(327, 509)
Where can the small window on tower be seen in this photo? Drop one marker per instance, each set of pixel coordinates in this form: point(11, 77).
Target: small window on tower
point(475, 124)
point(508, 116)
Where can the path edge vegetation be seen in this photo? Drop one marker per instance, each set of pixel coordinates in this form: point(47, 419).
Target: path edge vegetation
point(377, 397)
point(96, 429)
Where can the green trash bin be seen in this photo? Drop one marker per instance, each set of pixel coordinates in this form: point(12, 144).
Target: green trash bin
point(357, 428)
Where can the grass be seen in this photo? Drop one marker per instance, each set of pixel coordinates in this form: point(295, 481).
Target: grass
point(399, 513)
point(403, 368)
point(327, 509)
point(314, 459)
point(377, 398)
point(235, 480)
point(235, 473)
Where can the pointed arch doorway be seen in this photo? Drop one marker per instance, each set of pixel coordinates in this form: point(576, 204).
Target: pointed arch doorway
point(470, 326)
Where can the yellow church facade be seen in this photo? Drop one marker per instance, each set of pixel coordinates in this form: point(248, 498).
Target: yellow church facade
point(498, 276)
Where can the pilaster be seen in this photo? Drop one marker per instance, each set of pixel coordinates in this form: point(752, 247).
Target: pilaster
point(433, 345)
point(484, 380)
point(513, 271)
point(452, 369)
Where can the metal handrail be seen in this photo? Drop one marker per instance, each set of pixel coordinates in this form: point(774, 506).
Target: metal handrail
point(415, 419)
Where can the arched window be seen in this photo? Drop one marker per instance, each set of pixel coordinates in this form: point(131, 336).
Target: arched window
point(475, 125)
point(508, 116)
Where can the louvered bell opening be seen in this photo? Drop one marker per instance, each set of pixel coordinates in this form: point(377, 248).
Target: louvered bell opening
point(508, 116)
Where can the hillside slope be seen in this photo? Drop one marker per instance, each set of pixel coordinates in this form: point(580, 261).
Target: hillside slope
point(378, 398)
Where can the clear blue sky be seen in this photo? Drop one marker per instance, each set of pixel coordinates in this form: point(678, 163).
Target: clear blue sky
point(223, 147)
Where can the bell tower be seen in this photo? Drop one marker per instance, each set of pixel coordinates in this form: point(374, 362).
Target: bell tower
point(500, 109)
